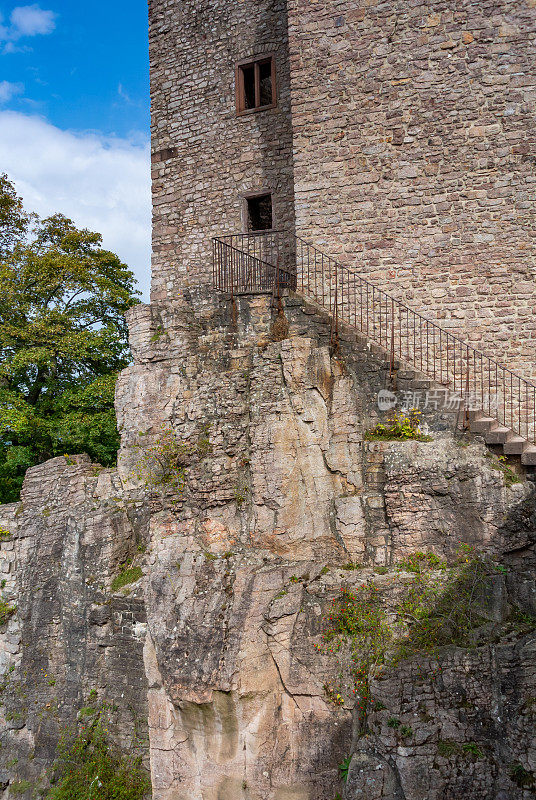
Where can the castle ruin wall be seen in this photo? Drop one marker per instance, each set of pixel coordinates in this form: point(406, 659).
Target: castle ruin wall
point(205, 158)
point(414, 156)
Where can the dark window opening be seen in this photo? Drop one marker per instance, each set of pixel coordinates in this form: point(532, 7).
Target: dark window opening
point(248, 74)
point(265, 83)
point(255, 85)
point(260, 213)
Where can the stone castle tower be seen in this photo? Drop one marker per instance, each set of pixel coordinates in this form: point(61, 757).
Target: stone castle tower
point(209, 157)
point(398, 137)
point(188, 591)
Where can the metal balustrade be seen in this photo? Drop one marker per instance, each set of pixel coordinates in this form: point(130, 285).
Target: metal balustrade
point(276, 260)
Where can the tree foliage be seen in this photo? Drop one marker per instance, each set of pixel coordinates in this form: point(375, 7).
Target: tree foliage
point(63, 339)
point(14, 220)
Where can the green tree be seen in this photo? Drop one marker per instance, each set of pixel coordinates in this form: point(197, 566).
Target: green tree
point(63, 339)
point(14, 220)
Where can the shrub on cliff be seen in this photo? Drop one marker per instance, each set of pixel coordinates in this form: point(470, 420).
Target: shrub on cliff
point(399, 428)
point(63, 339)
point(88, 768)
point(439, 606)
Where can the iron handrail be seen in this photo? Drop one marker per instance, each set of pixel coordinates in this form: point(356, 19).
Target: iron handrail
point(236, 270)
point(479, 380)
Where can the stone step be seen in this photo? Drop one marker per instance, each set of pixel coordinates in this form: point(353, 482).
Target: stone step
point(497, 434)
point(528, 457)
point(347, 337)
point(472, 415)
point(376, 350)
point(515, 445)
point(421, 383)
point(482, 424)
point(322, 321)
point(294, 302)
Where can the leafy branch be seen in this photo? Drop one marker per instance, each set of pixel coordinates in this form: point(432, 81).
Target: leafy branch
point(165, 462)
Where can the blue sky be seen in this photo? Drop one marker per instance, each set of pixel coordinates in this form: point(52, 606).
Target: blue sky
point(74, 116)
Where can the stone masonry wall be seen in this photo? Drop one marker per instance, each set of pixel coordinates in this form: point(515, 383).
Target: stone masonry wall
point(414, 140)
point(205, 157)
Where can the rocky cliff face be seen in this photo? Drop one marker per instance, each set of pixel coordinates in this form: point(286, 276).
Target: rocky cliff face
point(245, 490)
point(70, 635)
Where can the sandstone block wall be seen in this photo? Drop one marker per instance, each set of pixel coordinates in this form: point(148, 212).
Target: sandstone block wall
point(205, 157)
point(408, 129)
point(414, 140)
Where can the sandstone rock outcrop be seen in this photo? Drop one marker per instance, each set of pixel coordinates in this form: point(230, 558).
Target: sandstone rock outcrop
point(211, 657)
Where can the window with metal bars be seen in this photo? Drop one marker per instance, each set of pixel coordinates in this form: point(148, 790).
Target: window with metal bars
point(255, 85)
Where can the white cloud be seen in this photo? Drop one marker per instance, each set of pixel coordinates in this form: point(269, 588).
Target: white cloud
point(32, 20)
point(9, 90)
point(124, 94)
point(102, 183)
point(11, 47)
point(27, 21)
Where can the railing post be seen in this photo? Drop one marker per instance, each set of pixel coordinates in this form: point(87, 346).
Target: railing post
point(392, 364)
point(275, 289)
point(335, 314)
point(232, 275)
point(467, 384)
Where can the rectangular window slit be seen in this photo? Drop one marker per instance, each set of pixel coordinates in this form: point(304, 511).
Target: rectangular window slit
point(260, 213)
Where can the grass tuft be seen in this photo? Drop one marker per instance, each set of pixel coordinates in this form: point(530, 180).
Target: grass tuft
point(128, 575)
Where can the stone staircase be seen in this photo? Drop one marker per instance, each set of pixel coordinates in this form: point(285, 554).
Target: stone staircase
point(337, 297)
point(494, 434)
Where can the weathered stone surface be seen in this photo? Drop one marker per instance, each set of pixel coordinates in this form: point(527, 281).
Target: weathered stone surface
point(471, 718)
point(413, 142)
point(403, 145)
point(206, 159)
point(437, 497)
point(70, 635)
point(214, 648)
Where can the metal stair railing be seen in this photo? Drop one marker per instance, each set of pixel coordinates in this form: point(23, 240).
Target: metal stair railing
point(275, 260)
point(248, 263)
